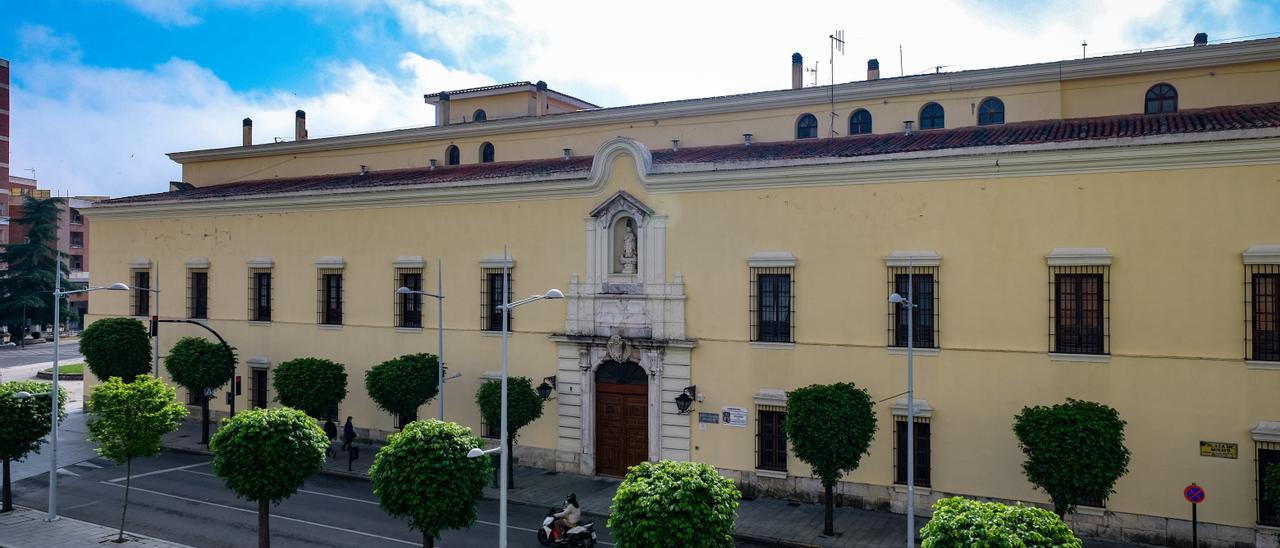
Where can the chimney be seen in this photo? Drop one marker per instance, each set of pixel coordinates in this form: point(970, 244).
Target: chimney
point(442, 109)
point(746, 139)
point(568, 153)
point(364, 170)
point(248, 131)
point(873, 69)
point(1201, 39)
point(541, 107)
point(433, 163)
point(906, 126)
point(797, 71)
point(675, 145)
point(300, 126)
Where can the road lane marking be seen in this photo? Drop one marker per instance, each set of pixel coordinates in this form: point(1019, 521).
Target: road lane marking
point(68, 509)
point(158, 472)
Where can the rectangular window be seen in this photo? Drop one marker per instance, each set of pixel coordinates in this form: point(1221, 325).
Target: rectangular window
point(329, 284)
point(409, 307)
point(1268, 456)
point(924, 316)
point(259, 389)
point(77, 240)
point(491, 319)
point(773, 304)
point(77, 263)
point(260, 295)
point(1080, 310)
point(491, 431)
point(76, 217)
point(198, 294)
point(1263, 328)
point(771, 438)
point(921, 450)
point(141, 297)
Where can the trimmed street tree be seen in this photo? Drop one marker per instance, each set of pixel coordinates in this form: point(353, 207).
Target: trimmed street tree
point(130, 419)
point(197, 364)
point(958, 521)
point(116, 347)
point(830, 427)
point(265, 455)
point(1075, 451)
point(524, 406)
point(26, 422)
point(313, 385)
point(26, 282)
point(423, 474)
point(401, 385)
point(670, 503)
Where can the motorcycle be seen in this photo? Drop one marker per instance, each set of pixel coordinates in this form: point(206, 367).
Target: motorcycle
point(581, 536)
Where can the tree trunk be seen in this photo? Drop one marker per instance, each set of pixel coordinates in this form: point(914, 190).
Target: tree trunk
point(828, 526)
point(428, 541)
point(511, 463)
point(128, 476)
point(204, 415)
point(264, 523)
point(8, 491)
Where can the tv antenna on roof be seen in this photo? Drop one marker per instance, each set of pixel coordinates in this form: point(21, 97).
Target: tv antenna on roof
point(814, 72)
point(837, 44)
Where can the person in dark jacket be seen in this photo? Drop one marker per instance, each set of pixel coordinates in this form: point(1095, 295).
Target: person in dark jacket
point(331, 431)
point(348, 434)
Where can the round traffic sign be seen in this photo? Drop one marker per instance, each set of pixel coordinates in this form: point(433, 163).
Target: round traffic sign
point(1194, 494)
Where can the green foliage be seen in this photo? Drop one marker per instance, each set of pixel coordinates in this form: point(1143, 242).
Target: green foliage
point(312, 385)
point(670, 503)
point(266, 454)
point(1075, 451)
point(116, 347)
point(25, 421)
point(132, 417)
point(524, 405)
point(27, 281)
point(830, 427)
point(198, 363)
point(401, 385)
point(960, 522)
point(424, 474)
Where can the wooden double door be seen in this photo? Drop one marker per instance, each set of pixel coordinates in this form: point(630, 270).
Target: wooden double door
point(622, 423)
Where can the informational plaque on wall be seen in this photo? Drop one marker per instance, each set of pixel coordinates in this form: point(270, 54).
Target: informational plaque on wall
point(1219, 449)
point(734, 416)
point(708, 418)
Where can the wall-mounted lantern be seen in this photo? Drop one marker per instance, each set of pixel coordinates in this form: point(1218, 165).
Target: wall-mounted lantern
point(548, 385)
point(685, 399)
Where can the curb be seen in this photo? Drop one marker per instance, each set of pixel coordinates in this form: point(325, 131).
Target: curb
point(61, 376)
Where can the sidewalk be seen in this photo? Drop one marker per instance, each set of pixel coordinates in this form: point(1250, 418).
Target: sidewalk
point(26, 528)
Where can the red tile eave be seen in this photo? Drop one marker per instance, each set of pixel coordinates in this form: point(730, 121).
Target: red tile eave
point(1021, 133)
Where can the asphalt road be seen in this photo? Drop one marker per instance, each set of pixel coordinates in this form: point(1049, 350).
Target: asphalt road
point(175, 497)
point(39, 353)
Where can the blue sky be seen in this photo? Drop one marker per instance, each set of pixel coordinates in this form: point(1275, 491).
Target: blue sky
point(103, 88)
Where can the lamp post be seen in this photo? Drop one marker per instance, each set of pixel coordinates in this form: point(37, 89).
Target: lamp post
point(58, 294)
point(439, 297)
point(505, 460)
point(910, 305)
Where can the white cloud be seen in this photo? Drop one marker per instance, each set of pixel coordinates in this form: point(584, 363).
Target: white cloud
point(41, 42)
point(167, 12)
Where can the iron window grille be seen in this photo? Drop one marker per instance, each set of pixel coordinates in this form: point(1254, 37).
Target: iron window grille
point(771, 438)
point(197, 294)
point(491, 431)
point(76, 217)
point(1268, 456)
point(259, 389)
point(329, 296)
point(260, 294)
point(806, 126)
point(452, 156)
point(932, 116)
point(922, 449)
point(990, 112)
point(491, 299)
point(1161, 99)
point(193, 396)
point(1262, 326)
point(141, 297)
point(409, 307)
point(1080, 309)
point(925, 316)
point(860, 122)
point(772, 302)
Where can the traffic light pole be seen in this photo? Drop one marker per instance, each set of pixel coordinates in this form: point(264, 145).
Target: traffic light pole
point(204, 400)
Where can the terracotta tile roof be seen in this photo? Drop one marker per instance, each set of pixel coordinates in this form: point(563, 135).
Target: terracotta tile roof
point(1022, 133)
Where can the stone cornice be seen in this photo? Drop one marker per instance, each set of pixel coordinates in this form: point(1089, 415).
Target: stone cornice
point(1115, 65)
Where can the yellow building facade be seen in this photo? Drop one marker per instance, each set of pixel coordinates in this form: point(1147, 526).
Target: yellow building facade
point(1107, 230)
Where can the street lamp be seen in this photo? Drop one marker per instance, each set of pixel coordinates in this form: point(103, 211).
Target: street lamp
point(58, 294)
point(502, 441)
point(439, 297)
point(910, 305)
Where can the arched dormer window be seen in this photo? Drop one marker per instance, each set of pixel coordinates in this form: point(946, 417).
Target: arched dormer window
point(990, 112)
point(860, 122)
point(486, 153)
point(1161, 99)
point(806, 126)
point(932, 116)
point(479, 116)
point(452, 156)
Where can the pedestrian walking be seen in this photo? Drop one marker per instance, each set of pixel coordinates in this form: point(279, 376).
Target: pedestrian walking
point(331, 431)
point(348, 434)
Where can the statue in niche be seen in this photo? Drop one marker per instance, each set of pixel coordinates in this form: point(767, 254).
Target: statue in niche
point(629, 257)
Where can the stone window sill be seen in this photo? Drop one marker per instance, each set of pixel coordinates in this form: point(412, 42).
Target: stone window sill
point(1091, 511)
point(488, 333)
point(773, 345)
point(920, 491)
point(1080, 358)
point(257, 322)
point(1264, 365)
point(408, 330)
point(902, 351)
point(330, 327)
point(771, 474)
